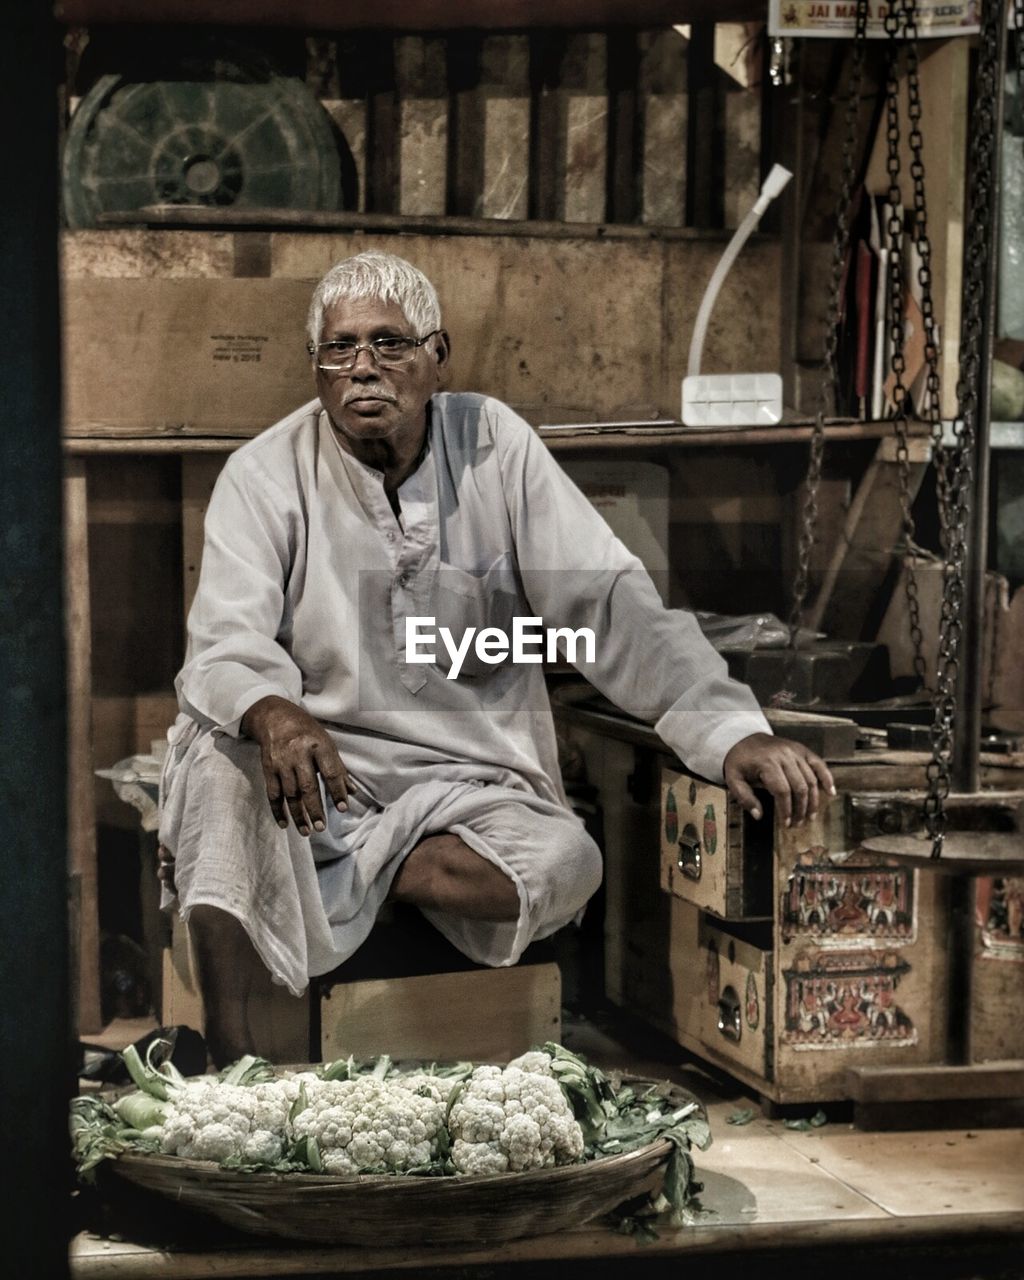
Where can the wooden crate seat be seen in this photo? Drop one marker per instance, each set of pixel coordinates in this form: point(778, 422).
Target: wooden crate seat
point(407, 992)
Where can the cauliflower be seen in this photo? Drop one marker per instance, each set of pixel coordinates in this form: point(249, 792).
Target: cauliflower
point(365, 1124)
point(536, 1060)
point(210, 1120)
point(513, 1119)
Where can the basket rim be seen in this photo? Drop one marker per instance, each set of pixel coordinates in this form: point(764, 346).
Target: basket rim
point(660, 1147)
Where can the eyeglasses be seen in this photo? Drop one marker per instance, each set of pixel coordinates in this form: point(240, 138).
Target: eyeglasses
point(340, 355)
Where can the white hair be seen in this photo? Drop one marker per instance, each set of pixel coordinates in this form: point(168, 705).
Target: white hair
point(377, 275)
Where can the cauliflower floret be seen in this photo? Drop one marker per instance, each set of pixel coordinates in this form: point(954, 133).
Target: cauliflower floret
point(419, 1082)
point(512, 1119)
point(262, 1147)
point(368, 1124)
point(478, 1157)
point(536, 1060)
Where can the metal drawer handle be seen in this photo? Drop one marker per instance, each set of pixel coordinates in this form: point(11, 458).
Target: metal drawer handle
point(729, 1020)
point(688, 858)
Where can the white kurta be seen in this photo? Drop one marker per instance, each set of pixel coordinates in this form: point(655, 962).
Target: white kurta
point(307, 579)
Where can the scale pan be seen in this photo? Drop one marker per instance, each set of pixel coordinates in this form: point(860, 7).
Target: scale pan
point(973, 853)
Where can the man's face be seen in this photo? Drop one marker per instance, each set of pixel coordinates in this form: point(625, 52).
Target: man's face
point(371, 402)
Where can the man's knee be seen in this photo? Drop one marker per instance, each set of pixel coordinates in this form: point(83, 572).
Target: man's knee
point(229, 769)
point(579, 861)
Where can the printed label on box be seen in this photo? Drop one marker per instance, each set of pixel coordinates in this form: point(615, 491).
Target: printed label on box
point(238, 348)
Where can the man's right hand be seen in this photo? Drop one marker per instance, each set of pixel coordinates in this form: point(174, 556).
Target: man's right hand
point(295, 748)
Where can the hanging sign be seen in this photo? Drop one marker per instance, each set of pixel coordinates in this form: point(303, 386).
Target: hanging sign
point(836, 17)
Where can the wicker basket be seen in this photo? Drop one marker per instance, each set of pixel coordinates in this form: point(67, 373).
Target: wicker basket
point(387, 1210)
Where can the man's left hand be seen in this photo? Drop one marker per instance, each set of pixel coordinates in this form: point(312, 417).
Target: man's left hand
point(791, 772)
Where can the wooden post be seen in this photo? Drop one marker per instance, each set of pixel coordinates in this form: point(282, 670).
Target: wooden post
point(85, 940)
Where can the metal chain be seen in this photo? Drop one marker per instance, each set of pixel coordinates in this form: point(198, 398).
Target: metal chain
point(932, 401)
point(896, 24)
point(980, 195)
point(840, 249)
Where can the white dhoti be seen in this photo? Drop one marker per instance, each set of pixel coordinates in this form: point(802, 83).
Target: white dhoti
point(308, 904)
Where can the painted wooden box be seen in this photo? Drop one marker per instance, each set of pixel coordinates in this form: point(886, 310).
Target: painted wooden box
point(845, 963)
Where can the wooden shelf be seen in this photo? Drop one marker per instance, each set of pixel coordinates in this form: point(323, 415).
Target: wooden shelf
point(412, 15)
point(570, 439)
point(591, 436)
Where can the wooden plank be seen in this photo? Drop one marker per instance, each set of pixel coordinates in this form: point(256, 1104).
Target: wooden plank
point(198, 475)
point(831, 737)
point(585, 95)
point(181, 1003)
point(578, 439)
point(82, 446)
point(504, 82)
point(410, 15)
point(423, 107)
point(167, 216)
point(967, 1236)
point(847, 605)
point(130, 253)
point(131, 509)
point(490, 1015)
point(85, 946)
point(663, 73)
point(930, 1083)
point(971, 1235)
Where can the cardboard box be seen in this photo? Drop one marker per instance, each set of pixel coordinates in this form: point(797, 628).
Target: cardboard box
point(162, 339)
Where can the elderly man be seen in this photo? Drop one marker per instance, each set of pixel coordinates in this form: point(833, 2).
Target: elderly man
point(320, 767)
